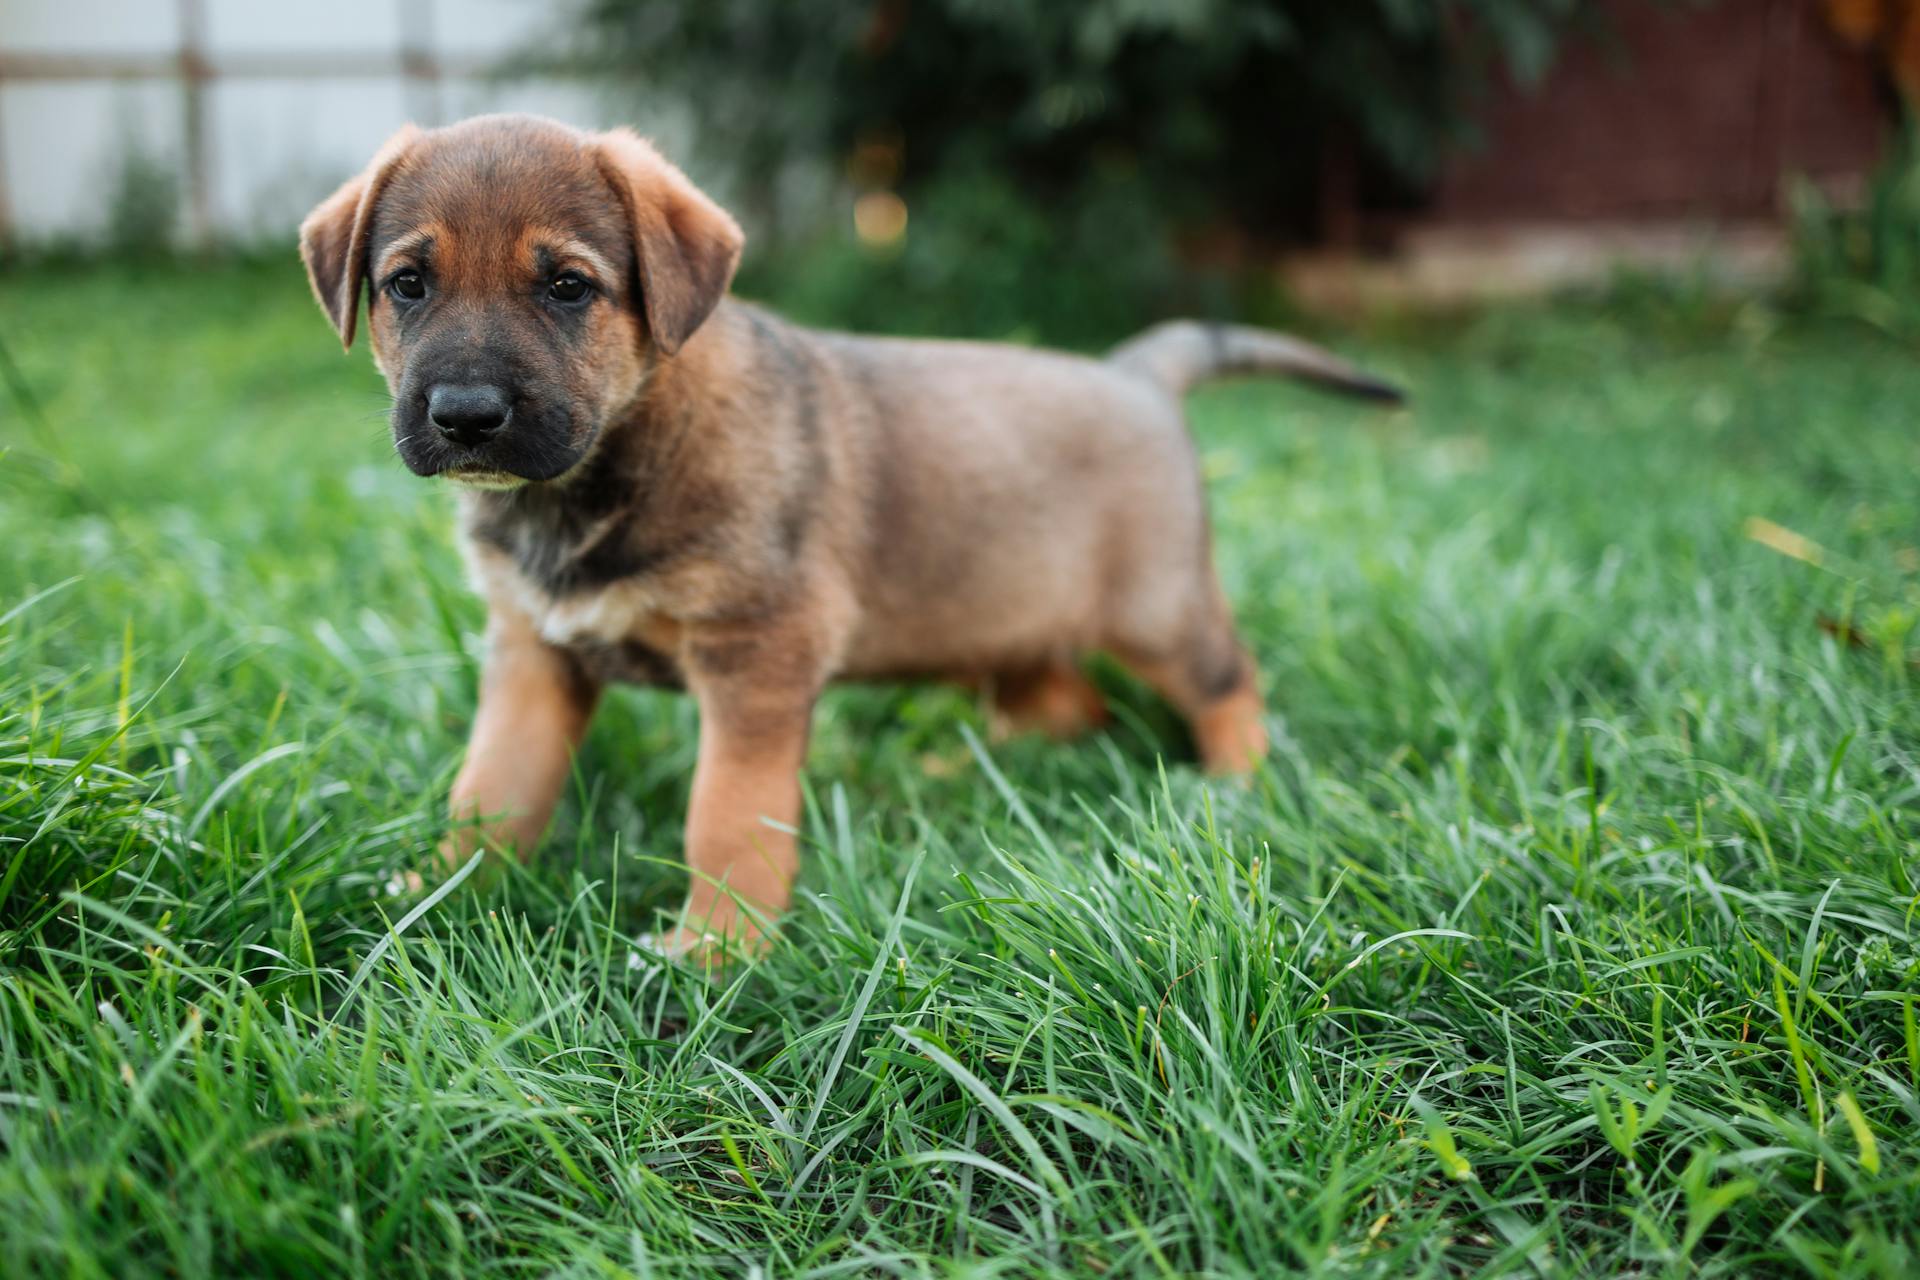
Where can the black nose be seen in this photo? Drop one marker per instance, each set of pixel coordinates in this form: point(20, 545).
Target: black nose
point(465, 414)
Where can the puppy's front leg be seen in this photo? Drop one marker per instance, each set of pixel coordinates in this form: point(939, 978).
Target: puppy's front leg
point(756, 704)
point(534, 707)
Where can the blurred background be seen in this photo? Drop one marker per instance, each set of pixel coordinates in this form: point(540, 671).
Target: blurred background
point(1054, 171)
point(1602, 658)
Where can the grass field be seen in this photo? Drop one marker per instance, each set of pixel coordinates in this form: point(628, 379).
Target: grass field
point(1570, 929)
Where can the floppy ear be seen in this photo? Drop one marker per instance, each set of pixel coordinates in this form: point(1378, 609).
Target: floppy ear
point(686, 244)
point(333, 239)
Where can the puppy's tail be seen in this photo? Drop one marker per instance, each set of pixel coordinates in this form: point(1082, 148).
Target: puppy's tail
point(1181, 353)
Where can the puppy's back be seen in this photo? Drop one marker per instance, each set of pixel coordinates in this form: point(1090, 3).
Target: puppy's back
point(1004, 492)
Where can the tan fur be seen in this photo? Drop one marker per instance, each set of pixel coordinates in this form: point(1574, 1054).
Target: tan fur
point(760, 509)
point(1056, 699)
point(534, 708)
point(689, 246)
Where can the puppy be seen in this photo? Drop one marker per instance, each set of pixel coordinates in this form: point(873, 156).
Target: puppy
point(666, 486)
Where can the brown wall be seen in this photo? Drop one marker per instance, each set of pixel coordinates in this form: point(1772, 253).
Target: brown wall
point(1674, 111)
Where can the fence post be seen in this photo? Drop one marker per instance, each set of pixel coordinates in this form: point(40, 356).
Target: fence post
point(194, 76)
point(417, 61)
point(6, 207)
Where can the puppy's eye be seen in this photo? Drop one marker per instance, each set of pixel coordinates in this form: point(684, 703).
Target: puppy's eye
point(408, 286)
point(569, 286)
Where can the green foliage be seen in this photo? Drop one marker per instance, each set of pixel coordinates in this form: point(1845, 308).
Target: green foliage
point(1051, 155)
point(143, 206)
point(979, 261)
point(1864, 262)
point(1218, 110)
point(1569, 931)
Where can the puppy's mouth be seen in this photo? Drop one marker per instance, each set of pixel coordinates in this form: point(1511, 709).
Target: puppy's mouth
point(483, 478)
point(534, 453)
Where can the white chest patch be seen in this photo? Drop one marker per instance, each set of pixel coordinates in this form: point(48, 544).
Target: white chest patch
point(605, 617)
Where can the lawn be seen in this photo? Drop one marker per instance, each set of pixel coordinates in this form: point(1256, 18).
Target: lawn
point(1569, 930)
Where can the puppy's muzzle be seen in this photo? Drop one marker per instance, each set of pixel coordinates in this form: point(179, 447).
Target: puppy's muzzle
point(468, 415)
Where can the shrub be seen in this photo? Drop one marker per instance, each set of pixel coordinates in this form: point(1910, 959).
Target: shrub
point(1214, 109)
point(1050, 156)
point(1863, 261)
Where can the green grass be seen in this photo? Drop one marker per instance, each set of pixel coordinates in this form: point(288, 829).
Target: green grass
point(1569, 931)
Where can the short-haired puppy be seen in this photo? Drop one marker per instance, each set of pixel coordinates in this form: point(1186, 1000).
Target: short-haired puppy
point(667, 486)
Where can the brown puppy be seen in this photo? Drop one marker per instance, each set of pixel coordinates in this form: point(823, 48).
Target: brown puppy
point(670, 487)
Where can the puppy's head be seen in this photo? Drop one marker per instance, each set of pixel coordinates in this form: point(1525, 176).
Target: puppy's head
point(521, 276)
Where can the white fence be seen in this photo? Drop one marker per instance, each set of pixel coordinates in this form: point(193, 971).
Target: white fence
point(256, 108)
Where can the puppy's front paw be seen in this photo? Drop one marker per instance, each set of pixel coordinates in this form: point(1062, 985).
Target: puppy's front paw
point(449, 857)
point(725, 934)
point(406, 884)
point(704, 951)
point(672, 945)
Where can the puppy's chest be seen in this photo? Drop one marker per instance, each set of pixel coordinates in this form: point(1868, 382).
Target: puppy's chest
point(614, 611)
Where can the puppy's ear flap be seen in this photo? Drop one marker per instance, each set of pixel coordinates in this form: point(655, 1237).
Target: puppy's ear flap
point(333, 239)
point(686, 244)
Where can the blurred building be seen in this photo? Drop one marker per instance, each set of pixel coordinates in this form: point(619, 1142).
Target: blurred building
point(1669, 139)
point(232, 117)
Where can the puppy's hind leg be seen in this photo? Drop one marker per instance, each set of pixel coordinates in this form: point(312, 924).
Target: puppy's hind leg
point(1209, 678)
point(1054, 698)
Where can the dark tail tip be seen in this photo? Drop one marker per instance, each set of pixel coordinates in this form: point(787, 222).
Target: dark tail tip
point(1375, 390)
